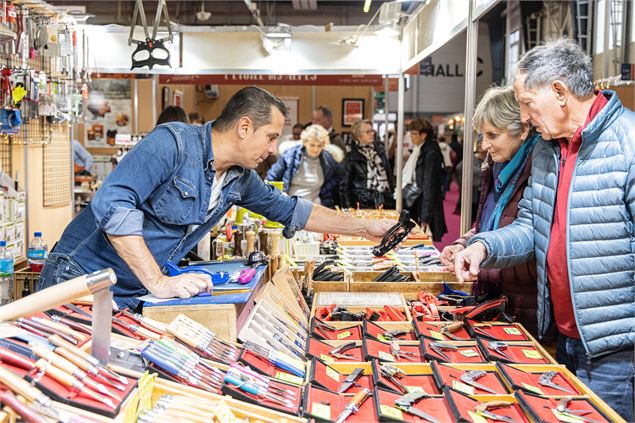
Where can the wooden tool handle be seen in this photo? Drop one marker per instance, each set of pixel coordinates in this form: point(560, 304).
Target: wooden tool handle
point(251, 235)
point(60, 328)
point(59, 342)
point(57, 374)
point(73, 358)
point(43, 352)
point(59, 294)
point(275, 244)
point(19, 385)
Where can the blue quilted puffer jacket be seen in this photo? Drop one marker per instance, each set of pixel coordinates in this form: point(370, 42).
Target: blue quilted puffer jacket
point(288, 164)
point(600, 230)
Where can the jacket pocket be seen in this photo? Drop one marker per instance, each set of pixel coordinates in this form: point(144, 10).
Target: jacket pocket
point(177, 204)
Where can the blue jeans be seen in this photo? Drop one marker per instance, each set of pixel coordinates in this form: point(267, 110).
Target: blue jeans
point(610, 376)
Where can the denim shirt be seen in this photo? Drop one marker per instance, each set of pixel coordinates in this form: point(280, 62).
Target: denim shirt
point(160, 188)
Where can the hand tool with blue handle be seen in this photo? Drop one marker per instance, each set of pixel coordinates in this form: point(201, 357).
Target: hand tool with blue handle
point(218, 278)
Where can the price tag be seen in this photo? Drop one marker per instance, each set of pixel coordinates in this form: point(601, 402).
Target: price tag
point(532, 354)
point(223, 413)
point(468, 353)
point(414, 389)
point(512, 331)
point(532, 388)
point(437, 335)
point(286, 377)
point(321, 410)
point(391, 412)
point(333, 374)
point(327, 358)
point(343, 335)
point(476, 418)
point(385, 356)
point(566, 417)
point(460, 386)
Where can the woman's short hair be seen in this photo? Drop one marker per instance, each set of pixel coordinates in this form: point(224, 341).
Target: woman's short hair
point(423, 126)
point(356, 129)
point(315, 133)
point(499, 108)
point(172, 114)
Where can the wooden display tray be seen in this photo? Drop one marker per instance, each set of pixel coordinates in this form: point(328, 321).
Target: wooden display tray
point(359, 302)
point(430, 282)
point(241, 410)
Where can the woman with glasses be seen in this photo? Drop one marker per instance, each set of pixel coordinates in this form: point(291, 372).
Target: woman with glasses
point(423, 179)
point(505, 175)
point(308, 170)
point(367, 179)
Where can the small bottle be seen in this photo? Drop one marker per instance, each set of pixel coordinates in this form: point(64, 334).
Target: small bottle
point(38, 252)
point(6, 274)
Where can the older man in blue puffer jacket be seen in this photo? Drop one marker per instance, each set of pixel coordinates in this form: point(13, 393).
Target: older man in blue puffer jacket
point(576, 218)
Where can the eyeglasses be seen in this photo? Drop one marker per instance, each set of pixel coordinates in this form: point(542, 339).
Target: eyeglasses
point(370, 131)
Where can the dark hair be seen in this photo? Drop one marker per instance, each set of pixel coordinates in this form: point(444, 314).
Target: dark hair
point(252, 102)
point(423, 126)
point(172, 114)
point(298, 125)
point(326, 112)
point(196, 117)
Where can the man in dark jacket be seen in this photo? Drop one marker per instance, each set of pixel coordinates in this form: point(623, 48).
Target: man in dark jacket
point(323, 116)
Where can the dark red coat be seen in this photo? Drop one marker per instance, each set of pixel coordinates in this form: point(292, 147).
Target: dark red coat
point(517, 283)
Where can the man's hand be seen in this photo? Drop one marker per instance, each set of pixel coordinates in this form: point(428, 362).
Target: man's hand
point(183, 286)
point(449, 254)
point(376, 229)
point(467, 263)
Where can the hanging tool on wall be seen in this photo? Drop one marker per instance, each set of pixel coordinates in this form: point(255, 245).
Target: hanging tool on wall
point(151, 51)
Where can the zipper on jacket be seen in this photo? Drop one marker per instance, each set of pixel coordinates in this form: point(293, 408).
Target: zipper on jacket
point(553, 211)
point(568, 212)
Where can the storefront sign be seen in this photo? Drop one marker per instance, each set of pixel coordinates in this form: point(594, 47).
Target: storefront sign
point(237, 79)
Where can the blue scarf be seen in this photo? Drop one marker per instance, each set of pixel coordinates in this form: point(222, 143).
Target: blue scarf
point(505, 184)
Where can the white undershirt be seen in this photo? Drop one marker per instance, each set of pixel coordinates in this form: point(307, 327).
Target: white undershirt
point(214, 198)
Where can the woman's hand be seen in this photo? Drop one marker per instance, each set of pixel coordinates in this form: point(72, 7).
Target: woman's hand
point(448, 255)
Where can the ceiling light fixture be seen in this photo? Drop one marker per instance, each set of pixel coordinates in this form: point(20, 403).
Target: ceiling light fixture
point(203, 15)
point(389, 19)
point(366, 8)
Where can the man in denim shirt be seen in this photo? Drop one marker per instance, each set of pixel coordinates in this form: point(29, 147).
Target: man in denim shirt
point(172, 188)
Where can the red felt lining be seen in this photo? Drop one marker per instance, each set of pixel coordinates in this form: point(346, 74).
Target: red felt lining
point(316, 348)
point(446, 374)
point(461, 404)
point(423, 330)
point(61, 393)
point(374, 330)
point(320, 377)
point(372, 349)
point(337, 403)
point(322, 333)
point(516, 378)
point(296, 391)
point(514, 351)
point(454, 355)
point(259, 364)
point(426, 382)
point(539, 407)
point(437, 407)
point(497, 332)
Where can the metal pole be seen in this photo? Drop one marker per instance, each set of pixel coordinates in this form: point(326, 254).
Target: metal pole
point(155, 85)
point(607, 32)
point(135, 86)
point(386, 109)
point(399, 153)
point(313, 99)
point(470, 94)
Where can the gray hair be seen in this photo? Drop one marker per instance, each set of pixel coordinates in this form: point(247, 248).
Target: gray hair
point(315, 132)
point(499, 108)
point(561, 60)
